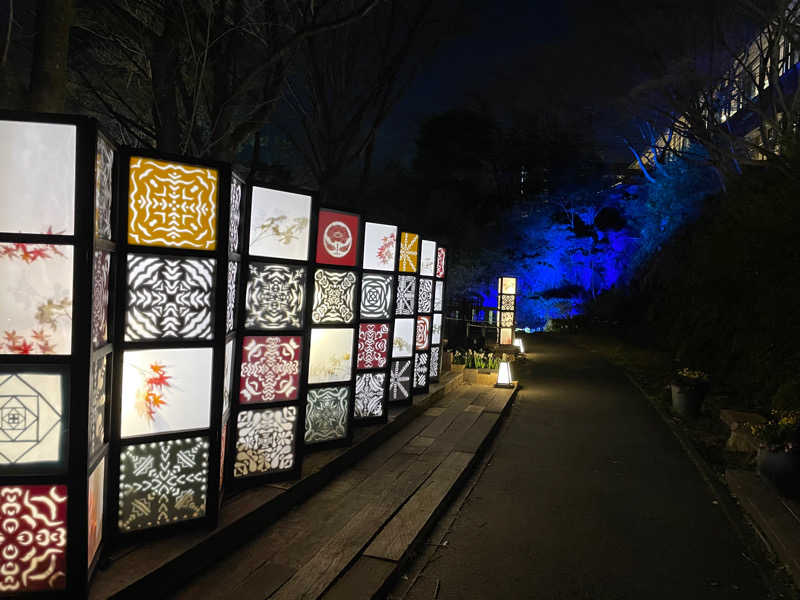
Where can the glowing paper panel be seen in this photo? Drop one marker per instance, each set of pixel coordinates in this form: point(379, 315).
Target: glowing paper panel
point(279, 224)
point(427, 261)
point(169, 298)
point(373, 345)
point(507, 302)
point(406, 294)
point(409, 252)
point(506, 319)
point(436, 332)
point(103, 190)
point(95, 512)
point(37, 171)
point(31, 418)
point(101, 265)
point(227, 376)
point(334, 296)
point(165, 390)
point(265, 441)
point(172, 204)
point(507, 285)
point(376, 296)
point(337, 238)
point(270, 368)
point(440, 262)
point(33, 519)
point(400, 380)
point(97, 405)
point(423, 335)
point(421, 369)
point(235, 215)
point(506, 336)
point(230, 295)
point(35, 298)
point(434, 366)
point(370, 393)
point(275, 296)
point(326, 414)
point(438, 296)
point(162, 483)
point(331, 355)
point(380, 242)
point(425, 297)
point(404, 335)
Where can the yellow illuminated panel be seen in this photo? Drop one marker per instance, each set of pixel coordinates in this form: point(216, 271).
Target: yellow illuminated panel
point(409, 252)
point(172, 205)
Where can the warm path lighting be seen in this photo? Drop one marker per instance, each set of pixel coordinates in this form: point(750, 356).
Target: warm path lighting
point(518, 344)
point(504, 376)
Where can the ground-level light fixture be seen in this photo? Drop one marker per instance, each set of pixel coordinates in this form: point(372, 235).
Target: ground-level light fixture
point(504, 376)
point(518, 344)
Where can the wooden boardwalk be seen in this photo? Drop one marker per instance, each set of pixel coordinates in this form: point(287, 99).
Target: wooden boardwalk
point(347, 540)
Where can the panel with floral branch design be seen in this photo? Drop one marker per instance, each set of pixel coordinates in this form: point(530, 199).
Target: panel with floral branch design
point(279, 224)
point(331, 355)
point(427, 259)
point(166, 389)
point(438, 296)
point(404, 335)
point(36, 298)
point(380, 243)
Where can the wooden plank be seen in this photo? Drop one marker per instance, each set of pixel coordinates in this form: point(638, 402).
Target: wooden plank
point(442, 422)
point(771, 515)
point(361, 581)
point(475, 436)
point(500, 398)
point(317, 574)
point(405, 527)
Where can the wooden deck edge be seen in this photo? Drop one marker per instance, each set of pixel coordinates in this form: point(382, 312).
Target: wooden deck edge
point(377, 587)
point(188, 562)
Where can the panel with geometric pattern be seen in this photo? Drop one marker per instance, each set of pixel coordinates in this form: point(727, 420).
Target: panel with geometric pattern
point(423, 334)
point(376, 296)
point(400, 380)
point(409, 252)
point(161, 483)
point(101, 265)
point(326, 414)
point(236, 203)
point(169, 298)
point(334, 296)
point(270, 368)
point(103, 191)
point(370, 394)
point(434, 366)
point(33, 519)
point(172, 204)
point(31, 418)
point(230, 295)
point(97, 405)
point(373, 345)
point(425, 298)
point(420, 369)
point(406, 291)
point(275, 296)
point(265, 441)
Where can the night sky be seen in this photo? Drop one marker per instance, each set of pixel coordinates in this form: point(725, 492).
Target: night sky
point(529, 53)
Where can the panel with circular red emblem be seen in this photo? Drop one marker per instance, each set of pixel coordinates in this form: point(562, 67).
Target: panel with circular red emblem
point(337, 238)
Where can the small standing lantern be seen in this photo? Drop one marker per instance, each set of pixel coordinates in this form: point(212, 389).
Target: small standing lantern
point(518, 344)
point(504, 376)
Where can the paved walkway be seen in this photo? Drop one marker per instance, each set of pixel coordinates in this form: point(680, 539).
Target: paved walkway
point(587, 495)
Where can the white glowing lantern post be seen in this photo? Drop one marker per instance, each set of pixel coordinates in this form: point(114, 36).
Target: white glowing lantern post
point(504, 376)
point(506, 306)
point(518, 344)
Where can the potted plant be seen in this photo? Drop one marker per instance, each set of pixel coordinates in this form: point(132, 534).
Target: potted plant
point(778, 458)
point(458, 361)
point(689, 388)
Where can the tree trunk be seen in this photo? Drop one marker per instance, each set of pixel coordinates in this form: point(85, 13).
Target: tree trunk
point(164, 68)
point(50, 53)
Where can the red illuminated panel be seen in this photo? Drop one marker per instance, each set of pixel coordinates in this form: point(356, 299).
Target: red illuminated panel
point(270, 368)
point(337, 238)
point(373, 345)
point(33, 521)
